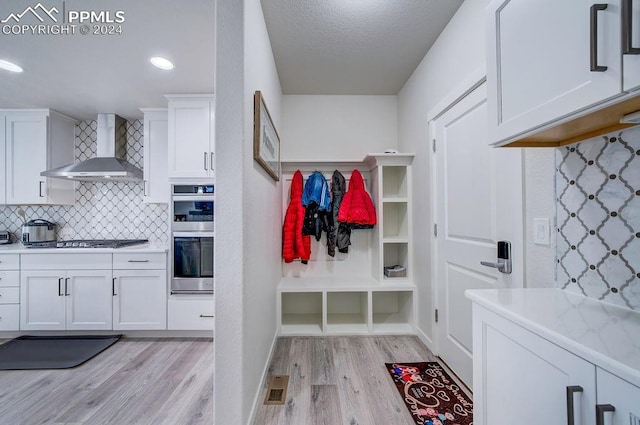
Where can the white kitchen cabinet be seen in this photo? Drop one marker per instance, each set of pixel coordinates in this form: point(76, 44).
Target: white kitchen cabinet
point(65, 300)
point(532, 374)
point(69, 291)
point(3, 160)
point(9, 292)
point(631, 45)
point(543, 66)
point(618, 400)
point(35, 141)
point(156, 133)
point(191, 136)
point(540, 351)
point(191, 312)
point(139, 291)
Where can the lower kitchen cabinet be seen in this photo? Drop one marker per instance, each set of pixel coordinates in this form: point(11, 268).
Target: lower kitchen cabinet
point(544, 356)
point(139, 299)
point(9, 292)
point(526, 377)
point(65, 300)
point(617, 400)
point(191, 312)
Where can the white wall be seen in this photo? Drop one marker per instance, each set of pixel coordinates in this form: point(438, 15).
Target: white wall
point(261, 213)
point(458, 52)
point(247, 249)
point(337, 127)
point(229, 399)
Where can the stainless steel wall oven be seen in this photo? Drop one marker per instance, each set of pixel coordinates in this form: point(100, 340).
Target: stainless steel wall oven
point(192, 234)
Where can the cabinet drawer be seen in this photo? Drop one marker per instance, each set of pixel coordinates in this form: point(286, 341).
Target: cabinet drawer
point(66, 261)
point(140, 260)
point(9, 278)
point(9, 317)
point(191, 314)
point(9, 262)
point(9, 295)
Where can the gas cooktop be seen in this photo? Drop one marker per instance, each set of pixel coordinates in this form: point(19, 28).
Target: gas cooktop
point(88, 243)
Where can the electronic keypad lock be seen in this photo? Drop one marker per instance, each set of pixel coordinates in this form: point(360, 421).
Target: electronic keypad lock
point(504, 258)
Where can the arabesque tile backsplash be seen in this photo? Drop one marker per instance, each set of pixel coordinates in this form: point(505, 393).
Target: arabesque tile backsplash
point(598, 218)
point(103, 210)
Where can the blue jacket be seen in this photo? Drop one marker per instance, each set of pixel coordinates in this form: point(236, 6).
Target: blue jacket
point(317, 190)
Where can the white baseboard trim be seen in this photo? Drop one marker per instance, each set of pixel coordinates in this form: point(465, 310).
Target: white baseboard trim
point(263, 380)
point(426, 340)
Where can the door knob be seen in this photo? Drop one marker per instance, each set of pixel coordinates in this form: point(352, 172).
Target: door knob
point(504, 258)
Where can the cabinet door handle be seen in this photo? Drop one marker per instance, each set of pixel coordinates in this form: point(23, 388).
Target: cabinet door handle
point(205, 315)
point(205, 160)
point(66, 287)
point(627, 29)
point(144, 188)
point(600, 409)
point(40, 189)
point(137, 261)
point(113, 287)
point(571, 390)
point(211, 161)
point(60, 287)
point(595, 8)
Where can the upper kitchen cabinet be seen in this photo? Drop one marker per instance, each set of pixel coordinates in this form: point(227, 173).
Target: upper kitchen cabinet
point(33, 141)
point(156, 180)
point(555, 70)
point(191, 136)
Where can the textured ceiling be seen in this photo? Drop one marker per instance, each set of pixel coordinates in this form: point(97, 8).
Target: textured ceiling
point(352, 46)
point(82, 75)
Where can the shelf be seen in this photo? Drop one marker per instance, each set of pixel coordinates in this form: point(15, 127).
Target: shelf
point(392, 311)
point(395, 220)
point(395, 199)
point(347, 312)
point(301, 313)
point(334, 283)
point(395, 253)
point(394, 182)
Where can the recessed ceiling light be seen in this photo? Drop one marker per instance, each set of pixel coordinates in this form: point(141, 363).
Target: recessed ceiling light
point(160, 62)
point(9, 66)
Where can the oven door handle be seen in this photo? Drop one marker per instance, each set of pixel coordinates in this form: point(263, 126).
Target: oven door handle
point(193, 234)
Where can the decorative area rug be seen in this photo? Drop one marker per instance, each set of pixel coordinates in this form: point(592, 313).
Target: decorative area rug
point(52, 352)
point(430, 394)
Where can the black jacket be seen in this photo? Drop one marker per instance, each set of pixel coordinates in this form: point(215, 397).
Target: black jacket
point(339, 233)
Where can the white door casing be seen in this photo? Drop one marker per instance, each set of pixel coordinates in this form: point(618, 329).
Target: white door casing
point(477, 201)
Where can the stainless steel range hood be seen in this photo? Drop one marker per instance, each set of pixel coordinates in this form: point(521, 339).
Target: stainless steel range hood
point(108, 165)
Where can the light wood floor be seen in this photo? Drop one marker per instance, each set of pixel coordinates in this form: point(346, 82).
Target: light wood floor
point(341, 380)
point(136, 381)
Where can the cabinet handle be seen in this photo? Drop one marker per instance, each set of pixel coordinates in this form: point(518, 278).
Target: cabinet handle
point(594, 37)
point(60, 287)
point(113, 287)
point(66, 287)
point(211, 161)
point(571, 390)
point(138, 261)
point(600, 409)
point(205, 315)
point(144, 188)
point(627, 29)
point(40, 189)
point(205, 160)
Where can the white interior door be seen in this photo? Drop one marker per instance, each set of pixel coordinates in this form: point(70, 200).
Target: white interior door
point(478, 202)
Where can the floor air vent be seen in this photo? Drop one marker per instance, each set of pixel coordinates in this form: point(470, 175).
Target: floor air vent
point(277, 389)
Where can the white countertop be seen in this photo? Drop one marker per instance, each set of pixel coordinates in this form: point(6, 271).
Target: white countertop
point(603, 334)
point(18, 248)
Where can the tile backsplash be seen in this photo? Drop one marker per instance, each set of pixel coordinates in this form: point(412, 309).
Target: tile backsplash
point(598, 218)
point(103, 210)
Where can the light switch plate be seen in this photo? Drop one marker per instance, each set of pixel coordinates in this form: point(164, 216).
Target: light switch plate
point(541, 231)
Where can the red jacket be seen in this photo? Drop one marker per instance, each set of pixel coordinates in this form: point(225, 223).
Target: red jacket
point(294, 245)
point(356, 206)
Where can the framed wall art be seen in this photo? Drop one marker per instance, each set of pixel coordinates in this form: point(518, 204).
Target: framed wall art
point(266, 142)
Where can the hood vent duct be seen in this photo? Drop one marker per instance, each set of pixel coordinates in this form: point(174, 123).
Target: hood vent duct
point(108, 164)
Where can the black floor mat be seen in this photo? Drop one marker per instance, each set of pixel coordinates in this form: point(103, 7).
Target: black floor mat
point(52, 352)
